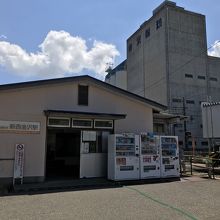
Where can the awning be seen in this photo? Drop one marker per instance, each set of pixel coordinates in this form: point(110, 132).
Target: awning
point(170, 117)
point(87, 115)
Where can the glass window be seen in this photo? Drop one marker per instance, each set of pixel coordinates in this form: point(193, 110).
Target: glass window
point(103, 124)
point(158, 128)
point(204, 143)
point(81, 123)
point(177, 100)
point(213, 79)
point(188, 75)
point(201, 77)
point(83, 92)
point(190, 101)
point(159, 23)
point(147, 33)
point(58, 122)
point(138, 39)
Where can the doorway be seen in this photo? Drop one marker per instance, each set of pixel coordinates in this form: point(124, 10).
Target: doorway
point(63, 154)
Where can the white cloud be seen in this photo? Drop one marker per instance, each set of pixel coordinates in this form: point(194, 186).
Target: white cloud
point(60, 55)
point(215, 51)
point(3, 36)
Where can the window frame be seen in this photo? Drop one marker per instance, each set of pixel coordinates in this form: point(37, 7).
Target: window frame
point(80, 119)
point(176, 100)
point(192, 102)
point(147, 33)
point(112, 121)
point(138, 40)
point(201, 77)
point(213, 79)
point(158, 23)
point(189, 76)
point(81, 100)
point(58, 126)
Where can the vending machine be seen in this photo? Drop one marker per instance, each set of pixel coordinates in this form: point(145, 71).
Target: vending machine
point(123, 157)
point(149, 156)
point(169, 151)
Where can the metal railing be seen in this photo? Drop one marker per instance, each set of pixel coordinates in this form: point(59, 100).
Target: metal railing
point(207, 165)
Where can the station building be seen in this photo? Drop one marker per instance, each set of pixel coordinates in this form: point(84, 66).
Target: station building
point(64, 124)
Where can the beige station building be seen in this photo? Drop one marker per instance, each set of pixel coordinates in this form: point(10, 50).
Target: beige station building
point(64, 124)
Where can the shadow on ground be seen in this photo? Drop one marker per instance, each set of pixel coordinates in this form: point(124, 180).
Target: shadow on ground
point(75, 185)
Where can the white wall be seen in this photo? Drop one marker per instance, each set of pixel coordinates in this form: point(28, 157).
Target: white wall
point(28, 104)
point(211, 121)
point(93, 165)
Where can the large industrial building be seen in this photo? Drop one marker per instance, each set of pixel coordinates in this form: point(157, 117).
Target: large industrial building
point(167, 61)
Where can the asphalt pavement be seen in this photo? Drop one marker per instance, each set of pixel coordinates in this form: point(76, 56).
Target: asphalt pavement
point(190, 198)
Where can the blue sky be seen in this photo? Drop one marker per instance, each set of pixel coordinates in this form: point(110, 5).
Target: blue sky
point(102, 28)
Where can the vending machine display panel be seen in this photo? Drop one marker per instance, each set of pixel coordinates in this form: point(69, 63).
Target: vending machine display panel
point(149, 157)
point(169, 156)
point(123, 157)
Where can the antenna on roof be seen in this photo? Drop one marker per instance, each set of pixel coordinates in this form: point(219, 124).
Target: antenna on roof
point(109, 67)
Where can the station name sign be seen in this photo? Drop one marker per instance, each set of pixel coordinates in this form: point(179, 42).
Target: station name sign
point(20, 126)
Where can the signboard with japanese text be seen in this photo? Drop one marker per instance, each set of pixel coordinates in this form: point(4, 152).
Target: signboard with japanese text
point(19, 162)
point(20, 126)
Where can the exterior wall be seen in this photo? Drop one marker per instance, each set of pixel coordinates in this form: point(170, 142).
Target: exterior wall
point(93, 165)
point(146, 63)
point(28, 104)
point(34, 143)
point(214, 78)
point(139, 117)
point(156, 67)
point(111, 80)
point(119, 79)
point(210, 118)
point(186, 46)
point(162, 59)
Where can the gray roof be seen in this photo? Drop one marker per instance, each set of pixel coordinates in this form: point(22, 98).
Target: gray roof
point(155, 105)
point(81, 114)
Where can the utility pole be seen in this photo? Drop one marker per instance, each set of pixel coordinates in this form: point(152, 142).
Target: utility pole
point(185, 135)
point(211, 144)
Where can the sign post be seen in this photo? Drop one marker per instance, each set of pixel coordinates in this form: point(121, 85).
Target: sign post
point(19, 163)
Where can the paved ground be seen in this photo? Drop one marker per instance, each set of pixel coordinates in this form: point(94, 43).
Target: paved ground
point(190, 198)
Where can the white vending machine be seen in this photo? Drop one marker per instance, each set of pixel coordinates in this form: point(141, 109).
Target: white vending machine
point(123, 157)
point(149, 157)
point(169, 156)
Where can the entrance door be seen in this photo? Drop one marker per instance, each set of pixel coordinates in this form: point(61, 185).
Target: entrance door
point(63, 154)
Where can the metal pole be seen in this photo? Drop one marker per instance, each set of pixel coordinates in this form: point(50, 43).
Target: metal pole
point(184, 113)
point(212, 147)
point(191, 164)
point(193, 146)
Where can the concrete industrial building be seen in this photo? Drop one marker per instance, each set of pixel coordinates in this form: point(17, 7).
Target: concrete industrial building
point(167, 61)
point(63, 126)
